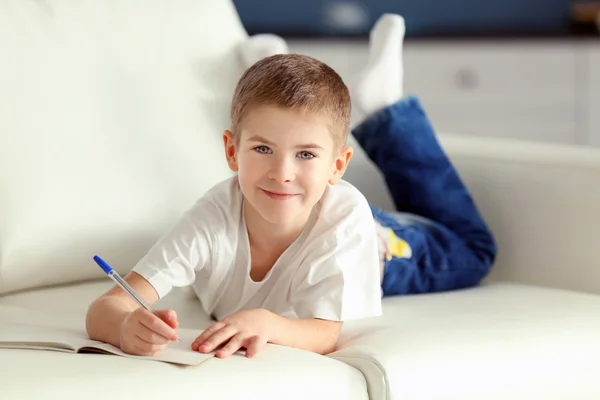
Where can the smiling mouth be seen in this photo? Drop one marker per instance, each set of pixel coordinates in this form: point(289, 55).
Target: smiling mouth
point(278, 196)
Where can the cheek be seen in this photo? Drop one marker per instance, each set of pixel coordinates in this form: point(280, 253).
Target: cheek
point(251, 165)
point(316, 174)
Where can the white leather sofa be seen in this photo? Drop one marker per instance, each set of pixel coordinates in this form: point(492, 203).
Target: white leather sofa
point(111, 115)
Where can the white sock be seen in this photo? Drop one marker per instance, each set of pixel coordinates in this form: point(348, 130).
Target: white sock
point(260, 46)
point(380, 83)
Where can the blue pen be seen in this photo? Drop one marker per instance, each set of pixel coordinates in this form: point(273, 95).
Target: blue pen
point(112, 274)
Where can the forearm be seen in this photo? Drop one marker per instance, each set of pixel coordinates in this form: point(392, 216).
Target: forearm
point(316, 335)
point(104, 318)
point(106, 314)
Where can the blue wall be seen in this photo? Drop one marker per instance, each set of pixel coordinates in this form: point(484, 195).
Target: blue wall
point(422, 16)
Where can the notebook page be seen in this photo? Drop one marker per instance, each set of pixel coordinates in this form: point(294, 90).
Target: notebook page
point(175, 352)
point(35, 335)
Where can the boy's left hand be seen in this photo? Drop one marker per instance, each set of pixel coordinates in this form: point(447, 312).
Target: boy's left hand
point(251, 329)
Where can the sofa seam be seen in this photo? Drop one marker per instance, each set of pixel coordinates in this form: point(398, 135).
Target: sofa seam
point(379, 366)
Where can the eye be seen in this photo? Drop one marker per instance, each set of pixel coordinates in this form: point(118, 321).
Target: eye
point(306, 155)
point(262, 149)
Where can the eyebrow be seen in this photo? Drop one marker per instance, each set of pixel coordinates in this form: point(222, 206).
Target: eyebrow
point(257, 138)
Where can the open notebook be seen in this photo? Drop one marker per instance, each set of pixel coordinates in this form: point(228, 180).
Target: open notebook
point(40, 337)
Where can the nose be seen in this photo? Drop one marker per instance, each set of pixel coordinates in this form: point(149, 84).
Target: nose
point(282, 170)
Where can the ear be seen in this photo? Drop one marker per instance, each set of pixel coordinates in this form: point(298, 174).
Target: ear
point(341, 163)
point(230, 151)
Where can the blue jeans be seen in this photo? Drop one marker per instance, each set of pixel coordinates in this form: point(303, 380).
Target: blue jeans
point(450, 245)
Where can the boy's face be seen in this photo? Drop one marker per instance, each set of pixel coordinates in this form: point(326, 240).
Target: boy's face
point(285, 159)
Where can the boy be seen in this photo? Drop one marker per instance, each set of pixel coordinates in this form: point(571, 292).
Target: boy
point(283, 252)
point(435, 240)
point(313, 261)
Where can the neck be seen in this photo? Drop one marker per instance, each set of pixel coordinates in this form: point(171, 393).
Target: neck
point(264, 235)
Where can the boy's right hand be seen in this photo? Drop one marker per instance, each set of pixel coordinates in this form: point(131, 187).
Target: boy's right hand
point(144, 334)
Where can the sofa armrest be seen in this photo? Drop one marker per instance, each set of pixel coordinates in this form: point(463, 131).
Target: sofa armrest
point(542, 202)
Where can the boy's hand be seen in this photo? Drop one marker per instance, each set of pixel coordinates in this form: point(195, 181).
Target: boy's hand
point(144, 334)
point(251, 329)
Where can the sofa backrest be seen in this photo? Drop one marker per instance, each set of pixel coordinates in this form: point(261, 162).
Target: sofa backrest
point(111, 118)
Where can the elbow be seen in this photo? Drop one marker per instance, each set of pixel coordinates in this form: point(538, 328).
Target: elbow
point(90, 320)
point(327, 348)
point(104, 318)
point(93, 317)
point(330, 339)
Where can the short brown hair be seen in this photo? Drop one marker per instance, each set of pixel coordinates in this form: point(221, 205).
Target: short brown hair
point(293, 81)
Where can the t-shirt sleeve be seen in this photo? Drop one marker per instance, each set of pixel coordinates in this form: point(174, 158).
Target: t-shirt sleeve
point(340, 278)
point(179, 254)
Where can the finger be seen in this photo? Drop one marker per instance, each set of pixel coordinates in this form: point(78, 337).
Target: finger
point(219, 337)
point(168, 316)
point(204, 336)
point(254, 346)
point(234, 344)
point(209, 332)
point(139, 351)
point(145, 347)
point(150, 336)
point(142, 350)
point(156, 325)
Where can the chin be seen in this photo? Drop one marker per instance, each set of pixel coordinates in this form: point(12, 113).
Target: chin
point(279, 217)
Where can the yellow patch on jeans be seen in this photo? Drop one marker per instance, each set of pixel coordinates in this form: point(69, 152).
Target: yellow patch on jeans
point(397, 247)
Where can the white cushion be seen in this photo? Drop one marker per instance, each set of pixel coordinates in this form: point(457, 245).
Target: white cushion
point(496, 341)
point(273, 374)
point(111, 116)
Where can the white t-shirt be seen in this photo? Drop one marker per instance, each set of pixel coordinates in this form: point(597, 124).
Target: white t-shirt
point(330, 272)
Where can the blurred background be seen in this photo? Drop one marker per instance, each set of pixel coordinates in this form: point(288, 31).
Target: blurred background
point(525, 69)
point(323, 18)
